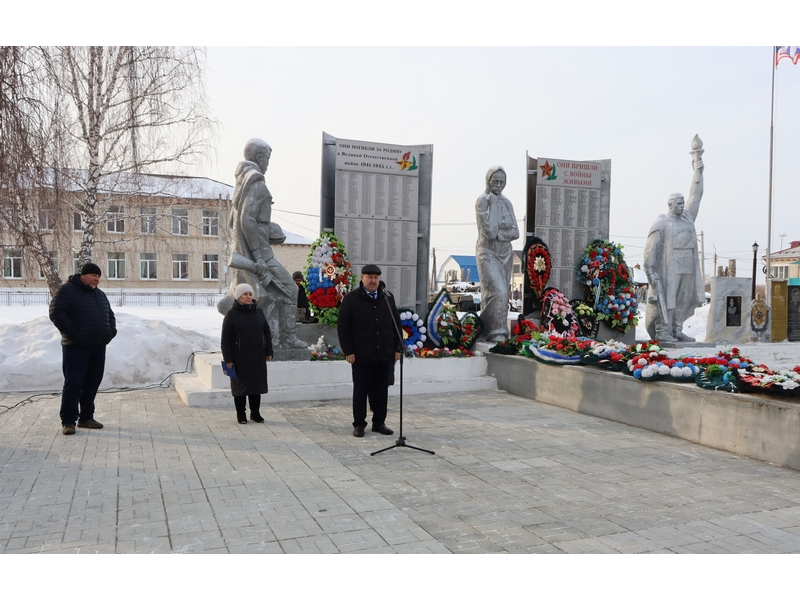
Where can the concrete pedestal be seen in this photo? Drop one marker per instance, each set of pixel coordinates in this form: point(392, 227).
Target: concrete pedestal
point(207, 385)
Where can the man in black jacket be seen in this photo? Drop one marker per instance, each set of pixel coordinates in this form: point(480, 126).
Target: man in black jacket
point(368, 336)
point(84, 317)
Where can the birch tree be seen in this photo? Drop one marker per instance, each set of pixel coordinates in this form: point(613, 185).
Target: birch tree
point(74, 118)
point(127, 109)
point(29, 137)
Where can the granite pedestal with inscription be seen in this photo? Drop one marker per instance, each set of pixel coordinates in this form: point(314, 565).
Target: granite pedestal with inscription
point(729, 315)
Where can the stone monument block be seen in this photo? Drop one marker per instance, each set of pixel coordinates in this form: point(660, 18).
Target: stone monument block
point(729, 315)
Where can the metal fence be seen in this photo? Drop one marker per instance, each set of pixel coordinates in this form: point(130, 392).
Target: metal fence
point(121, 298)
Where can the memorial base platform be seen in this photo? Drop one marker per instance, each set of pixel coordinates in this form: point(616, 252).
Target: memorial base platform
point(751, 425)
point(207, 385)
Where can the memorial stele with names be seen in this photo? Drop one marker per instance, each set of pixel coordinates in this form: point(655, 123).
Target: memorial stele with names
point(568, 216)
point(376, 211)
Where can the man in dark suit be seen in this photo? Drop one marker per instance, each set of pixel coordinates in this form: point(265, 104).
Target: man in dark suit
point(367, 327)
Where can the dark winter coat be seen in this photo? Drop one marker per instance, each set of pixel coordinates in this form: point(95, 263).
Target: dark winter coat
point(365, 326)
point(247, 342)
point(82, 314)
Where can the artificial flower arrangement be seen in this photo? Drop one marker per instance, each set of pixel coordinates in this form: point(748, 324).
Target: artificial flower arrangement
point(587, 318)
point(510, 346)
point(522, 331)
point(557, 349)
point(328, 277)
point(325, 352)
point(449, 327)
point(649, 362)
point(471, 327)
point(444, 353)
point(413, 329)
point(538, 265)
point(760, 378)
point(608, 283)
point(557, 315)
point(611, 355)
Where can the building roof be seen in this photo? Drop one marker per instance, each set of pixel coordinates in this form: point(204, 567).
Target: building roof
point(141, 184)
point(469, 263)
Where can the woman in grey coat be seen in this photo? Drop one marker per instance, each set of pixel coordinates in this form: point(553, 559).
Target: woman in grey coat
point(246, 345)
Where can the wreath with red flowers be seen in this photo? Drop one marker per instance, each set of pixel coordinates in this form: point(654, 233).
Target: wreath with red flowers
point(537, 265)
point(609, 288)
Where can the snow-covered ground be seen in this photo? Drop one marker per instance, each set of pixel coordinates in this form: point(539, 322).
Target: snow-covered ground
point(154, 342)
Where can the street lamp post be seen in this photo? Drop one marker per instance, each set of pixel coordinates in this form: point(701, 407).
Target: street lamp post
point(755, 259)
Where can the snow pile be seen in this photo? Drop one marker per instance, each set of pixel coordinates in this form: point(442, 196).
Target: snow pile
point(145, 351)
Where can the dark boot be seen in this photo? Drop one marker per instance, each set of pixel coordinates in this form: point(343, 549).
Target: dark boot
point(241, 415)
point(255, 404)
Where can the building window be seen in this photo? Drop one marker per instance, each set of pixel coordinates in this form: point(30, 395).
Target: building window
point(180, 221)
point(75, 267)
point(77, 221)
point(147, 265)
point(180, 266)
point(780, 272)
point(517, 269)
point(147, 215)
point(210, 267)
point(116, 265)
point(115, 219)
point(46, 219)
point(54, 257)
point(211, 223)
point(12, 263)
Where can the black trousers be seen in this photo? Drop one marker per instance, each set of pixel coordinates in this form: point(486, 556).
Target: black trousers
point(83, 368)
point(370, 380)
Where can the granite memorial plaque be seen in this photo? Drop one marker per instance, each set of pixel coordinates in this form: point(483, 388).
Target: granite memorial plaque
point(570, 211)
point(377, 209)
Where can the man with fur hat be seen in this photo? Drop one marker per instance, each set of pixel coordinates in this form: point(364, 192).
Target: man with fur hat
point(367, 327)
point(83, 315)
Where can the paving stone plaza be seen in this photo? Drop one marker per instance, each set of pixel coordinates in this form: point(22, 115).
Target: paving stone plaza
point(510, 475)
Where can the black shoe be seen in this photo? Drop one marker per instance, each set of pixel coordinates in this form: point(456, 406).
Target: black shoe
point(358, 432)
point(382, 429)
point(70, 430)
point(256, 418)
point(90, 424)
point(242, 418)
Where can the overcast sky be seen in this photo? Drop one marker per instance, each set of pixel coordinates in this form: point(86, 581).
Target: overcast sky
point(444, 74)
point(481, 106)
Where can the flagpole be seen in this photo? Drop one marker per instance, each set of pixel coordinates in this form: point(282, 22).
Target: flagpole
point(767, 290)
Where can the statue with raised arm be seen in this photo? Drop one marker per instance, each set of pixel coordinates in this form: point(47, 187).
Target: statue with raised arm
point(252, 260)
point(672, 261)
point(497, 228)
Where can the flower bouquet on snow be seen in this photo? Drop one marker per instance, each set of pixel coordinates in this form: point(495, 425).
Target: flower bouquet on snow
point(609, 287)
point(755, 379)
point(609, 355)
point(328, 277)
point(557, 349)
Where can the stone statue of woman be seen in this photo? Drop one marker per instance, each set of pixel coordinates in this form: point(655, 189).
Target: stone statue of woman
point(497, 228)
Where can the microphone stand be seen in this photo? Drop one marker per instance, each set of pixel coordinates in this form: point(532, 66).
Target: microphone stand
point(401, 441)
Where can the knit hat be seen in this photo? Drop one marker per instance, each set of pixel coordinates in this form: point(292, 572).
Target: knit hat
point(241, 289)
point(91, 268)
point(297, 275)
